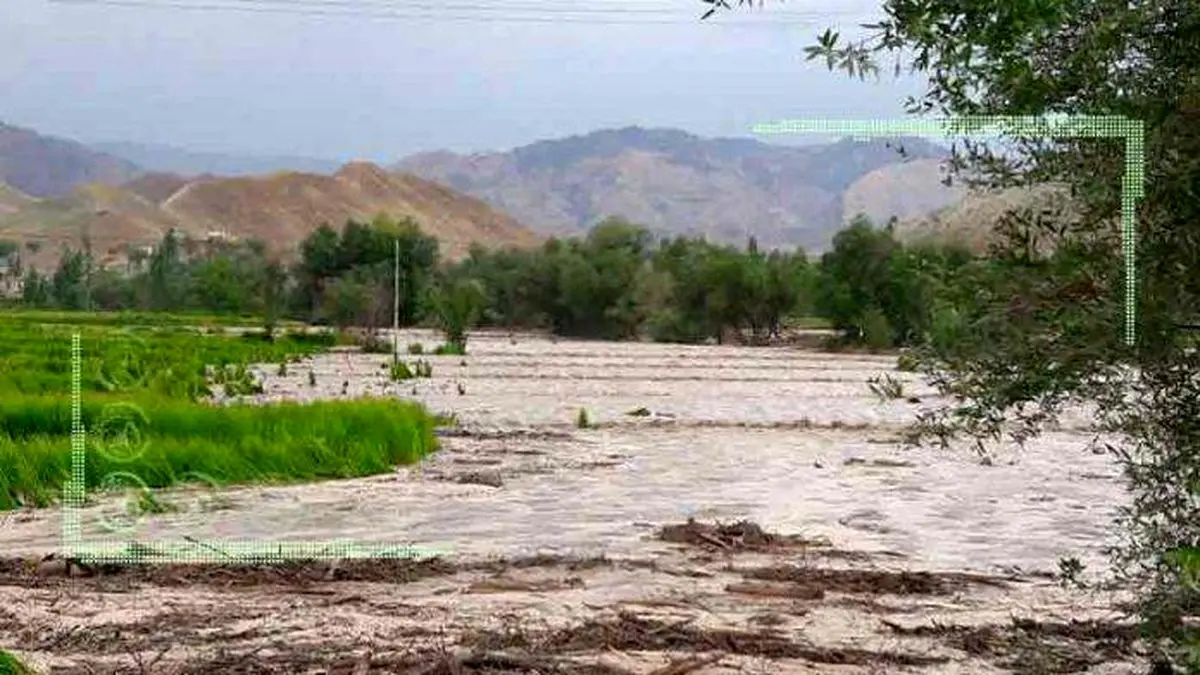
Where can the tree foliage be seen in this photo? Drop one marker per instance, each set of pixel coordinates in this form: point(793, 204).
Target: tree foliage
point(1046, 323)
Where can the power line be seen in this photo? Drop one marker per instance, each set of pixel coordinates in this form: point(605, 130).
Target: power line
point(546, 7)
point(502, 14)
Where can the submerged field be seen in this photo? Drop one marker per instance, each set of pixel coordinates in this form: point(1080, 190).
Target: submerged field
point(567, 548)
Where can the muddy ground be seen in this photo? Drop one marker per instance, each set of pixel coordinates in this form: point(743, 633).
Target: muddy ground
point(728, 510)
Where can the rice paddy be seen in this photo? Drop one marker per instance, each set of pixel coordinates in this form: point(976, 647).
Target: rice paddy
point(147, 405)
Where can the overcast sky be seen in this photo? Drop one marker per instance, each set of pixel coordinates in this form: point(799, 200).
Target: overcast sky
point(375, 87)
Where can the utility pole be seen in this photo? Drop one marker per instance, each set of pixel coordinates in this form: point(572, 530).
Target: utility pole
point(87, 244)
point(396, 305)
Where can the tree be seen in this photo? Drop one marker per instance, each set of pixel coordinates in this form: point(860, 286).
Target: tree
point(218, 285)
point(166, 279)
point(274, 290)
point(419, 257)
point(69, 285)
point(1046, 326)
point(855, 275)
point(318, 263)
point(347, 301)
point(35, 289)
point(457, 304)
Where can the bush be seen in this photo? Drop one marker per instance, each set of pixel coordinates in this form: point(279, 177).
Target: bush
point(886, 387)
point(401, 371)
point(451, 349)
point(372, 343)
point(874, 329)
point(11, 665)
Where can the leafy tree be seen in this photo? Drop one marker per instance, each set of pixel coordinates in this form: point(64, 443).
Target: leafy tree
point(457, 305)
point(368, 251)
point(274, 292)
point(855, 274)
point(69, 285)
point(166, 280)
point(219, 286)
point(112, 291)
point(347, 301)
point(318, 262)
point(1047, 323)
point(419, 258)
point(35, 290)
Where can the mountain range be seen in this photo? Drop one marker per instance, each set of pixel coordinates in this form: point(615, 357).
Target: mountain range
point(55, 191)
point(46, 166)
point(677, 183)
point(169, 159)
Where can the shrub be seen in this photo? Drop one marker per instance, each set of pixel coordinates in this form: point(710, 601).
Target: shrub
point(874, 329)
point(11, 665)
point(886, 387)
point(402, 371)
point(373, 343)
point(451, 349)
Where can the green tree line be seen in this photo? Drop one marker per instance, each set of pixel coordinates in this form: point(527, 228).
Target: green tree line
point(616, 282)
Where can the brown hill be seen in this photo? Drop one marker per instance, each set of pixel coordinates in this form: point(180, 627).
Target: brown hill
point(157, 187)
point(280, 210)
point(906, 191)
point(12, 199)
point(971, 221)
point(45, 166)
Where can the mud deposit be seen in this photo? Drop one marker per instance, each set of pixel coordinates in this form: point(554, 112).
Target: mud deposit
point(726, 510)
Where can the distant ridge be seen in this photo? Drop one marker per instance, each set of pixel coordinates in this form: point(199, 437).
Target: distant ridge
point(47, 166)
point(169, 159)
point(679, 183)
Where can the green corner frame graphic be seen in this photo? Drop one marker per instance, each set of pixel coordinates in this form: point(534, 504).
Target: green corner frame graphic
point(187, 549)
point(1066, 126)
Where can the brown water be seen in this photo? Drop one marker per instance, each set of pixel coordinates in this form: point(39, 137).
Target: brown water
point(791, 440)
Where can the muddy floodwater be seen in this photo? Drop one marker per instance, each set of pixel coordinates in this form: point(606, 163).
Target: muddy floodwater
point(816, 543)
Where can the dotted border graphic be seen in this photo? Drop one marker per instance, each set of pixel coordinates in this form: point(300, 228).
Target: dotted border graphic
point(1063, 126)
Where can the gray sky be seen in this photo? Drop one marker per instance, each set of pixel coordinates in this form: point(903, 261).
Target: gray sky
point(370, 87)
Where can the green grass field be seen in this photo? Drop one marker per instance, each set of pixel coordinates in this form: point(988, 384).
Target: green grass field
point(144, 392)
point(14, 315)
point(11, 665)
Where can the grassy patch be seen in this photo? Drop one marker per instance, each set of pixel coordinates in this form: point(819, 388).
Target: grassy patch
point(168, 361)
point(11, 665)
point(885, 387)
point(372, 343)
point(400, 371)
point(807, 323)
point(450, 349)
point(145, 400)
point(21, 315)
point(170, 443)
